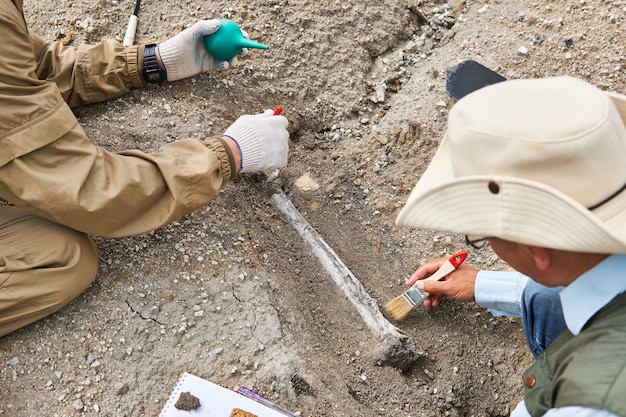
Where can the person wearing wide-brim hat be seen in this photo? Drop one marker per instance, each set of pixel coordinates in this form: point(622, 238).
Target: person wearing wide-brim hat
point(537, 168)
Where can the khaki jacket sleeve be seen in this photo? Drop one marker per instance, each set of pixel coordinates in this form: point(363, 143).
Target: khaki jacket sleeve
point(75, 183)
point(90, 73)
point(49, 166)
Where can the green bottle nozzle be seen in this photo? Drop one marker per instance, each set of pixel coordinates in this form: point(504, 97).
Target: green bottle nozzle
point(228, 41)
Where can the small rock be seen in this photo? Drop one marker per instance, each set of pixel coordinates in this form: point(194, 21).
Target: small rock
point(216, 351)
point(306, 183)
point(120, 388)
point(398, 353)
point(90, 358)
point(78, 404)
point(187, 402)
point(382, 139)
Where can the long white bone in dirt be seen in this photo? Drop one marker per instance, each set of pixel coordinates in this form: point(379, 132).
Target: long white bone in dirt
point(339, 272)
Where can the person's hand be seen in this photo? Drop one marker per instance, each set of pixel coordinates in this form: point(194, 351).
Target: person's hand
point(458, 285)
point(262, 140)
point(184, 55)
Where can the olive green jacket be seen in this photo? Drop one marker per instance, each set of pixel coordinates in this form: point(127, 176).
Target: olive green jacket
point(49, 166)
point(587, 370)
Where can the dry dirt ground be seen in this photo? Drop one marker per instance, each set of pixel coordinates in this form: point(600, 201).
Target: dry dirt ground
point(231, 293)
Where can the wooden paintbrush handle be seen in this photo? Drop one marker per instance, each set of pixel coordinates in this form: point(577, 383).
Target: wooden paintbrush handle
point(450, 265)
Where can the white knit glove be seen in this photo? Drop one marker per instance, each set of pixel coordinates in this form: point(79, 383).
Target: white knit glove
point(184, 55)
point(262, 140)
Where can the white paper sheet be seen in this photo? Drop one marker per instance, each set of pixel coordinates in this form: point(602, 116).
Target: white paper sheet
point(215, 400)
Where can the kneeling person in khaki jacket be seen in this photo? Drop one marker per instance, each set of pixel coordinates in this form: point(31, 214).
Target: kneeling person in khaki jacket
point(64, 187)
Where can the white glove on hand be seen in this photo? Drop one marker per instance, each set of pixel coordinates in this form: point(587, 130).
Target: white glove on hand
point(262, 139)
point(184, 55)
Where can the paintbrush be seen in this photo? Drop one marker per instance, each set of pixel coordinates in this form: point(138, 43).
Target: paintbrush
point(401, 306)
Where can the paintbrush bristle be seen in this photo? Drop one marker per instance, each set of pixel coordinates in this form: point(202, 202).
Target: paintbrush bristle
point(399, 308)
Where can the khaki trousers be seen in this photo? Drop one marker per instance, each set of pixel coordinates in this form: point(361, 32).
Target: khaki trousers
point(43, 266)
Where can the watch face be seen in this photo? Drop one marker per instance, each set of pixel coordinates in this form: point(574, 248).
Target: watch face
point(154, 76)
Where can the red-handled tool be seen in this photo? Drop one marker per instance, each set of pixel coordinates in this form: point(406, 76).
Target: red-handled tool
point(450, 265)
point(401, 306)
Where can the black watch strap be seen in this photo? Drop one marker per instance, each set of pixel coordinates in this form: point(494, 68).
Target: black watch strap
point(152, 72)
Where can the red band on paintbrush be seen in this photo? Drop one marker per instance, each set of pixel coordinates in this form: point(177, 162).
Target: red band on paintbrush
point(457, 259)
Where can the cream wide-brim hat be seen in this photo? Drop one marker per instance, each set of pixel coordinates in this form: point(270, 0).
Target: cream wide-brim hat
point(535, 161)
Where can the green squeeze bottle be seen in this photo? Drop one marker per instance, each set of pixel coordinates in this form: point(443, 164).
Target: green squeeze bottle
point(228, 41)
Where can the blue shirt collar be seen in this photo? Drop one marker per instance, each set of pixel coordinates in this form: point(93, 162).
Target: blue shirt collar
point(591, 291)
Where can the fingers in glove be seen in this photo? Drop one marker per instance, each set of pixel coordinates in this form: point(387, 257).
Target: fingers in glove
point(206, 27)
point(217, 64)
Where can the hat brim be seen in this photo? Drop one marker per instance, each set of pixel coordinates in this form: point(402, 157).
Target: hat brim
point(521, 211)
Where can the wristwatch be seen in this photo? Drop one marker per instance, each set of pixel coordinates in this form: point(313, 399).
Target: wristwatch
point(152, 72)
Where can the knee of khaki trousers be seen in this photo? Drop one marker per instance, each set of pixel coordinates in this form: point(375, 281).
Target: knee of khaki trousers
point(43, 266)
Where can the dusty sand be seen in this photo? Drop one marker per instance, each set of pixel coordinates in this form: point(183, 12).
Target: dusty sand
point(231, 293)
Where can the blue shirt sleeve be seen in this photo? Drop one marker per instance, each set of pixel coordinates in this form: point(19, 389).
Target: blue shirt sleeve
point(578, 412)
point(521, 411)
point(500, 292)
